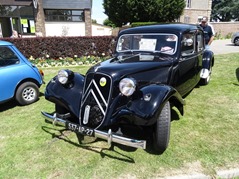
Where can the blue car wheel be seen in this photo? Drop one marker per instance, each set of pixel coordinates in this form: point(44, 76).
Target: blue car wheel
point(27, 93)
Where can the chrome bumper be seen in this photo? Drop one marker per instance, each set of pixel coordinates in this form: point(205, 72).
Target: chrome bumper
point(109, 136)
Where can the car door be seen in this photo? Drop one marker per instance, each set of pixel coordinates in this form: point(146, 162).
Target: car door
point(9, 72)
point(188, 63)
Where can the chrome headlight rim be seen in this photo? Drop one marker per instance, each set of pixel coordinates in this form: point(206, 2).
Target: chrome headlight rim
point(127, 86)
point(63, 76)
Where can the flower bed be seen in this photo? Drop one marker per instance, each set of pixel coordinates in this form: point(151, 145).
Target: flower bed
point(68, 61)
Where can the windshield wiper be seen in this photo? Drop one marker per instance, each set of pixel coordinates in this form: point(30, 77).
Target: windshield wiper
point(121, 59)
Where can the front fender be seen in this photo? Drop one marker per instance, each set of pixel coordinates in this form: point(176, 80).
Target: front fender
point(207, 64)
point(208, 59)
point(68, 96)
point(152, 101)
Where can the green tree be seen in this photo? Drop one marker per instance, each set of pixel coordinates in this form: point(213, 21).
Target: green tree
point(107, 22)
point(5, 10)
point(121, 12)
point(225, 10)
point(94, 21)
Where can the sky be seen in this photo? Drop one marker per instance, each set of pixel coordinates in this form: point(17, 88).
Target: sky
point(98, 11)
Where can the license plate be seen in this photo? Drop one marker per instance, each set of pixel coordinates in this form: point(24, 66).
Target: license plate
point(79, 129)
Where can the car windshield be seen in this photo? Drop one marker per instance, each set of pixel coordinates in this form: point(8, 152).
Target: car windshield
point(160, 42)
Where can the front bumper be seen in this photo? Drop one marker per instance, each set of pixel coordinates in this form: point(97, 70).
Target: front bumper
point(109, 136)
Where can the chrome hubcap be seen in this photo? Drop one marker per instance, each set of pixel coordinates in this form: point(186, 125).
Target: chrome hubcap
point(28, 94)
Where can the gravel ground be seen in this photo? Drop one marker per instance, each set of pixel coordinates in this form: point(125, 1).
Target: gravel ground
point(223, 47)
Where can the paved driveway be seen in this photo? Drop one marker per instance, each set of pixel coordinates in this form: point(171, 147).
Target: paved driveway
point(224, 47)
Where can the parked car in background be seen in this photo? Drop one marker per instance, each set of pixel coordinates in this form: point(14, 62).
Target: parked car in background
point(19, 79)
point(153, 69)
point(235, 38)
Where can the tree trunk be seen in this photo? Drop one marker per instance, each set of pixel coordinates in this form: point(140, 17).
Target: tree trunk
point(40, 19)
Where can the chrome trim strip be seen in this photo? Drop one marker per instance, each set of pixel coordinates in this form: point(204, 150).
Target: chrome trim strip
point(97, 101)
point(86, 114)
point(102, 97)
point(109, 136)
point(87, 88)
point(85, 98)
point(86, 93)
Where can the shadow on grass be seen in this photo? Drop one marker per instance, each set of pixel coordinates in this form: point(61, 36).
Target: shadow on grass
point(13, 103)
point(41, 94)
point(237, 75)
point(8, 105)
point(139, 133)
point(63, 136)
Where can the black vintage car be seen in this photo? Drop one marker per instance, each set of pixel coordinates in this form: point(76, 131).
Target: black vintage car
point(153, 69)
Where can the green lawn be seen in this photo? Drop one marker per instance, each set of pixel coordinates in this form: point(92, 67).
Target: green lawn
point(204, 140)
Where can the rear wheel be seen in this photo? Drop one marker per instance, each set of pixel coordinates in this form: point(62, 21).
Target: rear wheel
point(162, 130)
point(27, 93)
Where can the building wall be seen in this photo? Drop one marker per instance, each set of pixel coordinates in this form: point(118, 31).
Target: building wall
point(101, 30)
point(65, 29)
point(69, 4)
point(203, 4)
point(69, 28)
point(88, 23)
point(198, 8)
point(225, 28)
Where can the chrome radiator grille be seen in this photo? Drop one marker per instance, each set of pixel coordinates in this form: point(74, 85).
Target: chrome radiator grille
point(95, 99)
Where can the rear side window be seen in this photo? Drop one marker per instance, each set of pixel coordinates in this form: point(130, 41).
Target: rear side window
point(200, 41)
point(7, 57)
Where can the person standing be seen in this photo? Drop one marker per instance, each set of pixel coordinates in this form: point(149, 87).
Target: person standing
point(208, 31)
point(14, 34)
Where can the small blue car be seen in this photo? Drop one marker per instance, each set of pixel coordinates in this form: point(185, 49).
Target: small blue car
point(19, 78)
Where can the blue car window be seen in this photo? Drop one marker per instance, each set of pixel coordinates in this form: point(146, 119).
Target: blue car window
point(7, 57)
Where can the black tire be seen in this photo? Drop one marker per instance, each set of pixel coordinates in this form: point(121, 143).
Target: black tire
point(236, 41)
point(27, 93)
point(162, 129)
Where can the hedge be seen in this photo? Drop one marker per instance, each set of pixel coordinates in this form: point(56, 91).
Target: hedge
point(62, 47)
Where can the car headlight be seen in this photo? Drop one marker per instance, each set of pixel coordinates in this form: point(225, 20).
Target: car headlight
point(64, 76)
point(127, 86)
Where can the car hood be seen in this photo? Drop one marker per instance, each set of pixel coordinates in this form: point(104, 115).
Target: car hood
point(132, 66)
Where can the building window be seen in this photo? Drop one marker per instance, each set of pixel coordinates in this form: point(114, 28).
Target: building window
point(186, 19)
point(64, 15)
point(188, 3)
point(19, 18)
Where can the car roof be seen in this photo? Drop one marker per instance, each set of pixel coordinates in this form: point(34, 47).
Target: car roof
point(2, 42)
point(173, 28)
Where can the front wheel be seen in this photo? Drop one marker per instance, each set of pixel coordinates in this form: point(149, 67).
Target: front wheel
point(162, 129)
point(205, 81)
point(27, 93)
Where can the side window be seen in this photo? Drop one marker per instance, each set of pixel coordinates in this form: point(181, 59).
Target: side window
point(200, 41)
point(7, 57)
point(188, 44)
point(124, 43)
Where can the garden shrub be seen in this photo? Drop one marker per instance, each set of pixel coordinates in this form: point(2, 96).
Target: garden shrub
point(62, 47)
